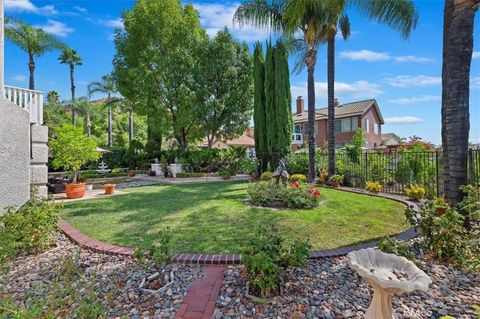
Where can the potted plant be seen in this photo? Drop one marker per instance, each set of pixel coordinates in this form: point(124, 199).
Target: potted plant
point(109, 189)
point(224, 173)
point(131, 173)
point(71, 150)
point(336, 180)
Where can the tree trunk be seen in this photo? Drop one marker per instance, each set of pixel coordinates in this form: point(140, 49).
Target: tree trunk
point(331, 104)
point(310, 61)
point(72, 88)
point(31, 68)
point(457, 57)
point(130, 126)
point(110, 140)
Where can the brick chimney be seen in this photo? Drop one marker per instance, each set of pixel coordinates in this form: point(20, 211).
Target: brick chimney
point(300, 105)
point(336, 103)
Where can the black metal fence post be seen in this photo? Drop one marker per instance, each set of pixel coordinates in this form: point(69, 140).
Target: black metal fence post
point(437, 174)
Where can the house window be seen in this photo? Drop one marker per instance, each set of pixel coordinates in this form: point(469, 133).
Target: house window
point(297, 129)
point(349, 124)
point(366, 128)
point(376, 128)
point(305, 128)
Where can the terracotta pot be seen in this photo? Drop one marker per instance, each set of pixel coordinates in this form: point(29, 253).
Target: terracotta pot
point(439, 211)
point(109, 189)
point(226, 177)
point(75, 190)
point(131, 174)
point(334, 184)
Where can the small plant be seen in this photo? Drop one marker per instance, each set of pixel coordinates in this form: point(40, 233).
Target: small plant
point(373, 187)
point(225, 173)
point(118, 170)
point(299, 197)
point(262, 193)
point(160, 250)
point(336, 180)
point(72, 149)
point(323, 178)
point(392, 245)
point(29, 228)
point(267, 257)
point(266, 176)
point(298, 178)
point(415, 192)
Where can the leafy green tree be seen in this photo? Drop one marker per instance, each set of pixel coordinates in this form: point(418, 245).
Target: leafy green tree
point(154, 62)
point(72, 59)
point(225, 76)
point(72, 149)
point(53, 97)
point(106, 86)
point(34, 41)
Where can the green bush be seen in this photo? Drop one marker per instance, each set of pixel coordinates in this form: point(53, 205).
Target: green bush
point(266, 176)
point(373, 187)
point(248, 165)
point(299, 197)
point(29, 228)
point(118, 170)
point(188, 175)
point(267, 257)
point(298, 178)
point(392, 245)
point(262, 193)
point(445, 235)
point(160, 250)
point(415, 192)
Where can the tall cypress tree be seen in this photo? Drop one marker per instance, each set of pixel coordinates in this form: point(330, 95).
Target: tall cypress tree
point(270, 105)
point(259, 116)
point(283, 102)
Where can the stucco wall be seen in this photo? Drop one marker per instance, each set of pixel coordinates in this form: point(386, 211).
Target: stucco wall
point(38, 162)
point(14, 155)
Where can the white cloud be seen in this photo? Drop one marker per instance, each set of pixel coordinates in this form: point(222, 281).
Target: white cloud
point(403, 120)
point(215, 16)
point(475, 82)
point(19, 78)
point(405, 81)
point(58, 28)
point(476, 54)
point(114, 23)
point(28, 6)
point(415, 99)
point(412, 58)
point(365, 55)
point(372, 56)
point(345, 92)
point(80, 9)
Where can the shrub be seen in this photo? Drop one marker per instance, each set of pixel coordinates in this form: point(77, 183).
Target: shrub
point(72, 149)
point(445, 235)
point(336, 179)
point(160, 250)
point(117, 157)
point(299, 197)
point(118, 170)
point(373, 187)
point(266, 176)
point(248, 165)
point(298, 178)
point(267, 257)
point(392, 245)
point(29, 228)
point(188, 175)
point(262, 193)
point(415, 192)
point(297, 163)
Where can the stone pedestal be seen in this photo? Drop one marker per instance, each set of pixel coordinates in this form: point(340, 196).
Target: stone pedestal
point(39, 159)
point(175, 169)
point(157, 169)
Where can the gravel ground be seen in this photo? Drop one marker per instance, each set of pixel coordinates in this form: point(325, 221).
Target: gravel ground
point(113, 279)
point(328, 288)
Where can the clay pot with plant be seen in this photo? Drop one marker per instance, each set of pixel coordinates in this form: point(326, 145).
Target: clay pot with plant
point(71, 150)
point(336, 180)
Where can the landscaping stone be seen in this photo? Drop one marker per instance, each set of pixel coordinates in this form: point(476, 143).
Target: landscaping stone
point(114, 279)
point(328, 288)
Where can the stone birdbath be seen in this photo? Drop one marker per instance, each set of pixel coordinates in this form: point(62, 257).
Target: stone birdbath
point(388, 274)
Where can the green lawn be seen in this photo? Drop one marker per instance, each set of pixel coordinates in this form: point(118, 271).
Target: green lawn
point(211, 218)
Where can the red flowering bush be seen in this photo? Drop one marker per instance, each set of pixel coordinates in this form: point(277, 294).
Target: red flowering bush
point(295, 184)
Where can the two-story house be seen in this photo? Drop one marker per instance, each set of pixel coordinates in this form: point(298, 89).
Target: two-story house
point(348, 118)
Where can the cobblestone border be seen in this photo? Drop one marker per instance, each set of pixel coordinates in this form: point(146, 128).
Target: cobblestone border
point(234, 259)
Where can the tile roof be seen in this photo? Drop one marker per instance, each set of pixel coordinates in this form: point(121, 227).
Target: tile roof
point(343, 110)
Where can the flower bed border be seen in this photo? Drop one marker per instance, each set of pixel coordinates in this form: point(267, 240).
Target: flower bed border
point(234, 259)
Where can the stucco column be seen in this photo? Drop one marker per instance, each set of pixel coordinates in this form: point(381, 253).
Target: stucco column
point(2, 36)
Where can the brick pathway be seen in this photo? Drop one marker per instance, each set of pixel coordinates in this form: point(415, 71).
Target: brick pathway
point(199, 302)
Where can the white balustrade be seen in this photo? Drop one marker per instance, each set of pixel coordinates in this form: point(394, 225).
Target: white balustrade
point(30, 100)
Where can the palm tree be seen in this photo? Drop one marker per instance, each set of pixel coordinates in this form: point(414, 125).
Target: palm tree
point(86, 108)
point(457, 57)
point(32, 40)
point(318, 20)
point(106, 86)
point(53, 97)
point(71, 58)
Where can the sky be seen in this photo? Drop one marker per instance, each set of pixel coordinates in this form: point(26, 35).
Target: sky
point(404, 76)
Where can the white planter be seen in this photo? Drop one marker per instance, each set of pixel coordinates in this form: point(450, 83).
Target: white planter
point(89, 187)
point(175, 169)
point(157, 169)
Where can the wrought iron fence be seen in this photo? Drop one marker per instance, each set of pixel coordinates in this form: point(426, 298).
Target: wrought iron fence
point(396, 170)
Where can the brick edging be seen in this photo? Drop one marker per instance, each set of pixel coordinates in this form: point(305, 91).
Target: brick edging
point(232, 259)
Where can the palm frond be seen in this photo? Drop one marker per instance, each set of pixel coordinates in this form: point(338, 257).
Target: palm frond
point(261, 14)
point(344, 24)
point(399, 15)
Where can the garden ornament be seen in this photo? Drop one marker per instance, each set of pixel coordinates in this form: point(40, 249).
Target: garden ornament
point(388, 274)
point(282, 173)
